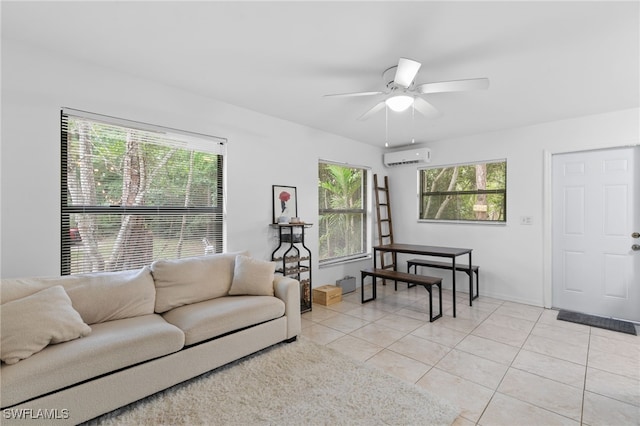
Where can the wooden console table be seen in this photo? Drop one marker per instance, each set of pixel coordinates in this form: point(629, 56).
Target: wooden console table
point(446, 252)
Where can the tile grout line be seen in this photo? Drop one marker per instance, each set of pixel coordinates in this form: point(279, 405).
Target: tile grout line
point(454, 347)
point(495, 391)
point(584, 384)
point(528, 402)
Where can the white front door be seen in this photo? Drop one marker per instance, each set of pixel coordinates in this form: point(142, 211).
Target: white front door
point(596, 211)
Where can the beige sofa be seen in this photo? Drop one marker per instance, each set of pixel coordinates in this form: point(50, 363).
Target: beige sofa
point(76, 347)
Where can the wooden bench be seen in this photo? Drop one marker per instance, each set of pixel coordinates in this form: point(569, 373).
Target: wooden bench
point(447, 265)
point(423, 280)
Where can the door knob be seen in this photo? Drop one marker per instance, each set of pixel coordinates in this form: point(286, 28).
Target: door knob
point(635, 235)
point(635, 247)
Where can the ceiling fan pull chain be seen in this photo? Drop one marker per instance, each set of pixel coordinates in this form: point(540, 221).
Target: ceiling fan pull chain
point(413, 123)
point(386, 126)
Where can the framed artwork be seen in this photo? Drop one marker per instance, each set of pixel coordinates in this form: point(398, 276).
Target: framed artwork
point(285, 202)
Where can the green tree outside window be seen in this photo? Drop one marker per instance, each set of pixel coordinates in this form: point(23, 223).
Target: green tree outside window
point(470, 192)
point(342, 209)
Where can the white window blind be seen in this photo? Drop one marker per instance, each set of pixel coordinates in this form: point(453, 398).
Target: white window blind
point(132, 193)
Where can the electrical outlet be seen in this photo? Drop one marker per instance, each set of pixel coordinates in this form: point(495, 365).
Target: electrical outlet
point(526, 220)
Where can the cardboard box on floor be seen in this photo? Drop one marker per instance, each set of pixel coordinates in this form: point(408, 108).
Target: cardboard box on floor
point(327, 295)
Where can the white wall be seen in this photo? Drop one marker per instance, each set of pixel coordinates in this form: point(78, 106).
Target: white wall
point(262, 151)
point(512, 257)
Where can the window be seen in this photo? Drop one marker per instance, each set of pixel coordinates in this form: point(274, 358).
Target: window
point(342, 204)
point(132, 193)
point(469, 192)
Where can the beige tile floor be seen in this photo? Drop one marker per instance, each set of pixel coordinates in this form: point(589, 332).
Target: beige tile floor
point(502, 363)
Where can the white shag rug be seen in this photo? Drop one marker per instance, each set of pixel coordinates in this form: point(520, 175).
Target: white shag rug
point(299, 383)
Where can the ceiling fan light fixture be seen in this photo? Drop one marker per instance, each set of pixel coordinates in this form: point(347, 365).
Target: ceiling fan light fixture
point(399, 103)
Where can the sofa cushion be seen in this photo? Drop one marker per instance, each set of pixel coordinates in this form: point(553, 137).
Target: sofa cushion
point(192, 279)
point(111, 345)
point(30, 324)
point(252, 277)
point(213, 318)
point(114, 295)
point(98, 297)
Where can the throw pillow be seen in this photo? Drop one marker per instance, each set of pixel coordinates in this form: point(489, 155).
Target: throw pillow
point(252, 277)
point(192, 279)
point(108, 296)
point(30, 324)
point(97, 296)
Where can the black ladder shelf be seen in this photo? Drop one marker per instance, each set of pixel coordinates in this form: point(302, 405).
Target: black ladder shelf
point(385, 223)
point(293, 258)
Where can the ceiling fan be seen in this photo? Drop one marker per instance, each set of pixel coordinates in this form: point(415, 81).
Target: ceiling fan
point(402, 92)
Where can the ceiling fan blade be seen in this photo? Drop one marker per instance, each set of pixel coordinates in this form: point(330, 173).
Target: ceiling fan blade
point(454, 86)
point(406, 72)
point(344, 95)
point(425, 108)
point(377, 107)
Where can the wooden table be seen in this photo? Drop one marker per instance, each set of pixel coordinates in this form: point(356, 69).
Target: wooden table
point(447, 252)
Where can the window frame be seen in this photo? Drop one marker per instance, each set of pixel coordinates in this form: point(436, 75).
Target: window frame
point(67, 210)
point(421, 194)
point(365, 210)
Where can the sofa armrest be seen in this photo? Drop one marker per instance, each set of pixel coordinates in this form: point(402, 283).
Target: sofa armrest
point(288, 290)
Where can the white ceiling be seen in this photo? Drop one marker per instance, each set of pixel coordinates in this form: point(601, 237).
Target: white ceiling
point(546, 60)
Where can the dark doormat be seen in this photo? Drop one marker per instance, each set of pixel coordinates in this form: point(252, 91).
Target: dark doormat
point(600, 322)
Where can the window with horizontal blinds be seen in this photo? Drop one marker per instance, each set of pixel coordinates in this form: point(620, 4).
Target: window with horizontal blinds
point(474, 192)
point(132, 193)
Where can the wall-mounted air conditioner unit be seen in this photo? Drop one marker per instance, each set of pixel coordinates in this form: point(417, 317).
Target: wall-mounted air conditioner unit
point(407, 156)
